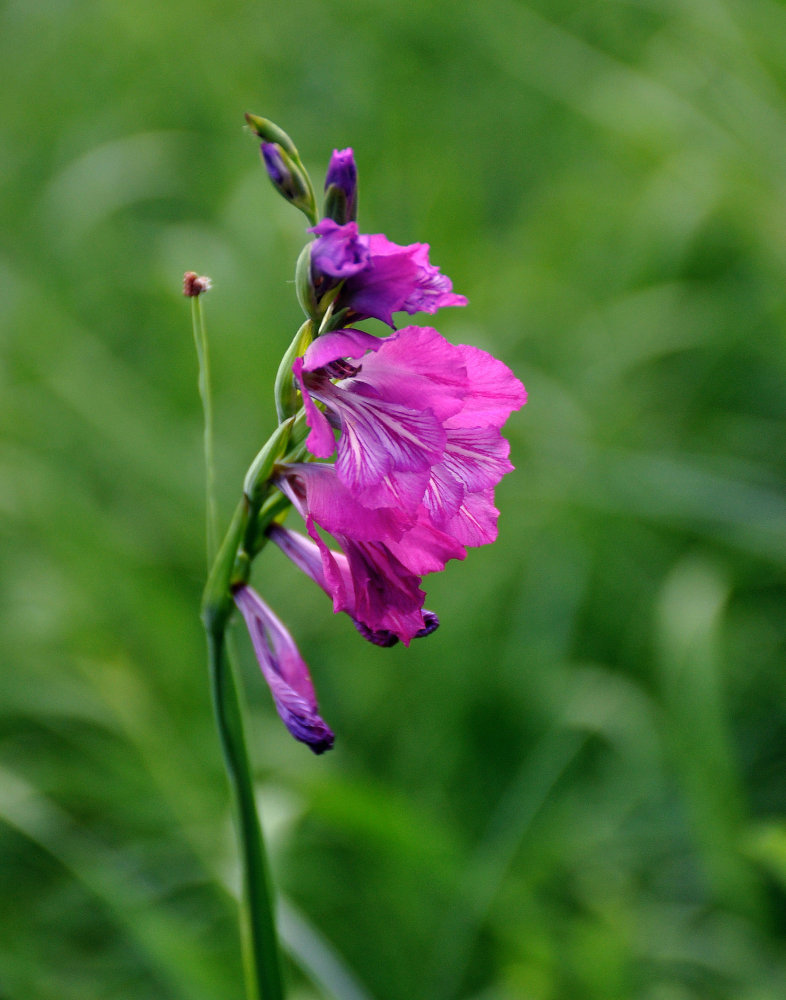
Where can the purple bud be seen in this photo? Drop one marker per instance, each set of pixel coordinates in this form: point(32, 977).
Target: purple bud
point(341, 187)
point(285, 672)
point(279, 170)
point(287, 177)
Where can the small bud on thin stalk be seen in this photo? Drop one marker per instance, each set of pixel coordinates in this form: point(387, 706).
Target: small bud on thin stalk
point(195, 284)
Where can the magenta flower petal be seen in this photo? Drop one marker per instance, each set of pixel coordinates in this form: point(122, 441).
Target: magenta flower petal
point(285, 671)
point(494, 392)
point(380, 438)
point(338, 585)
point(398, 279)
point(475, 522)
point(317, 493)
point(475, 459)
point(331, 347)
point(417, 367)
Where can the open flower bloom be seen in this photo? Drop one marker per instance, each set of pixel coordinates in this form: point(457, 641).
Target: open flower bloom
point(420, 424)
point(380, 277)
point(285, 672)
point(385, 552)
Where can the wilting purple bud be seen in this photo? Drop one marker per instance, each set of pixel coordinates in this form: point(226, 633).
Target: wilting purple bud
point(341, 187)
point(285, 672)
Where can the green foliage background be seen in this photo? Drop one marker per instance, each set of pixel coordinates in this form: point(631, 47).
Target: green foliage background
point(576, 789)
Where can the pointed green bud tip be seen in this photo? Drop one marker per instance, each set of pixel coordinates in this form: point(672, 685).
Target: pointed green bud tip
point(270, 132)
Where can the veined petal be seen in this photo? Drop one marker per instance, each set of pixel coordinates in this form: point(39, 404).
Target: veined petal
point(475, 522)
point(388, 596)
point(379, 437)
point(425, 548)
point(443, 495)
point(476, 456)
point(475, 459)
point(416, 367)
point(285, 671)
point(399, 278)
point(432, 289)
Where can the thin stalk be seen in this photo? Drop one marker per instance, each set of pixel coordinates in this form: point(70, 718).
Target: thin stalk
point(206, 394)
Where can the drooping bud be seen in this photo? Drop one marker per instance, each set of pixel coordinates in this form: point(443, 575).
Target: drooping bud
point(284, 166)
point(341, 187)
point(288, 178)
point(285, 671)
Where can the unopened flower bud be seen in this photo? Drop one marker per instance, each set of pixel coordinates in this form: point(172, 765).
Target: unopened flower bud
point(288, 179)
point(341, 187)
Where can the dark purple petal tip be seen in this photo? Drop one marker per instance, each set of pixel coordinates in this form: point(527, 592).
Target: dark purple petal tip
point(383, 637)
point(308, 729)
point(430, 624)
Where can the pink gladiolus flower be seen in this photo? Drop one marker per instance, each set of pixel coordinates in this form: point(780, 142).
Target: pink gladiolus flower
point(380, 277)
point(420, 421)
point(285, 672)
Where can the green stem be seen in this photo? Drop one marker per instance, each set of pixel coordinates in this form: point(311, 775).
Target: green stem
point(260, 944)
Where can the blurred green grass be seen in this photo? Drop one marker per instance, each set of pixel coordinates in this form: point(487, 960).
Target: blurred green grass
point(576, 789)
